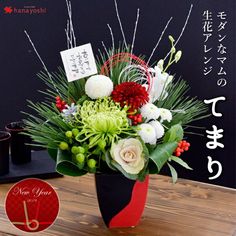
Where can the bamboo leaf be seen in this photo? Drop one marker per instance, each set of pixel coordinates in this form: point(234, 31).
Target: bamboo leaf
point(175, 133)
point(181, 162)
point(173, 173)
point(161, 154)
point(65, 165)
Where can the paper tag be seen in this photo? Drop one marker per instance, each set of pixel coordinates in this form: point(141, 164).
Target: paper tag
point(79, 62)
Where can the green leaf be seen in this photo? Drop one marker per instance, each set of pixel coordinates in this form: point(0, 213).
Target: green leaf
point(66, 166)
point(175, 133)
point(127, 175)
point(52, 153)
point(187, 109)
point(143, 173)
point(181, 162)
point(108, 160)
point(161, 154)
point(173, 173)
point(82, 99)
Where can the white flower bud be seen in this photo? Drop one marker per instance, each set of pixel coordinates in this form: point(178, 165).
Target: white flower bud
point(171, 38)
point(178, 56)
point(160, 64)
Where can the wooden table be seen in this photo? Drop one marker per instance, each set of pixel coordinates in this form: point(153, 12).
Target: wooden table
point(186, 209)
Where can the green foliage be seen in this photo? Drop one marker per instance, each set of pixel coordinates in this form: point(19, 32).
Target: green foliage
point(184, 109)
point(173, 173)
point(65, 165)
point(180, 162)
point(161, 154)
point(47, 128)
point(175, 133)
point(58, 85)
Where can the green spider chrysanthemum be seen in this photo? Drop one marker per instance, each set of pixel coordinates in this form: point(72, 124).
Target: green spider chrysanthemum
point(102, 120)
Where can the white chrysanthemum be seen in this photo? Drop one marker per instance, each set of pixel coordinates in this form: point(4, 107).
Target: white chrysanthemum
point(98, 86)
point(149, 111)
point(159, 129)
point(147, 133)
point(165, 114)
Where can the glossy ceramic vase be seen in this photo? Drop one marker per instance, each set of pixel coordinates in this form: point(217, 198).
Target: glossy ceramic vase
point(4, 152)
point(121, 200)
point(20, 151)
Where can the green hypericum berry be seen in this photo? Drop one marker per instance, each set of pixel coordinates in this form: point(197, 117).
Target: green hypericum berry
point(75, 132)
point(74, 150)
point(102, 144)
point(63, 146)
point(80, 158)
point(69, 134)
point(91, 163)
point(81, 150)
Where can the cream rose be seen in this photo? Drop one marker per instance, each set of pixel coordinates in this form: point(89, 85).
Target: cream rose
point(128, 153)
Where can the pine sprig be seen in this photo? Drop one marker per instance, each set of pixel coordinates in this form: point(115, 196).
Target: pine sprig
point(70, 91)
point(47, 128)
point(184, 108)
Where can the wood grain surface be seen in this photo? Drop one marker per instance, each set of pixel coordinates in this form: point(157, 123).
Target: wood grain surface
point(187, 208)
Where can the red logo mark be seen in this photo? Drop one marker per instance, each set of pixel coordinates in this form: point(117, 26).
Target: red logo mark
point(32, 205)
point(8, 10)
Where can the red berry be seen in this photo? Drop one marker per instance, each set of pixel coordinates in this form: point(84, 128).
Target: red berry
point(178, 154)
point(130, 116)
point(139, 115)
point(178, 149)
point(58, 98)
point(139, 120)
point(135, 118)
point(186, 149)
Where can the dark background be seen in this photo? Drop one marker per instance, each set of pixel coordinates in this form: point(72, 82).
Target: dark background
point(19, 64)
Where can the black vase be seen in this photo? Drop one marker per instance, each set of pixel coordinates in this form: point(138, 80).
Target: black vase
point(121, 200)
point(4, 152)
point(20, 151)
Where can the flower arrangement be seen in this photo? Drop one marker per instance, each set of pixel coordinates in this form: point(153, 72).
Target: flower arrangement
point(129, 118)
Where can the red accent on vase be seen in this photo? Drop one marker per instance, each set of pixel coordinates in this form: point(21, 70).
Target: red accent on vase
point(131, 214)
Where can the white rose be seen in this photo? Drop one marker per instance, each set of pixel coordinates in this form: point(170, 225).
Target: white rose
point(128, 153)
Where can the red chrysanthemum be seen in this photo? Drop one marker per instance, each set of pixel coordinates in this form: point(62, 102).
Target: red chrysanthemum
point(131, 94)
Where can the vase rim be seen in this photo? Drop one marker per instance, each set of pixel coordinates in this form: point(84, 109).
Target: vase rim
point(20, 126)
point(112, 173)
point(4, 135)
